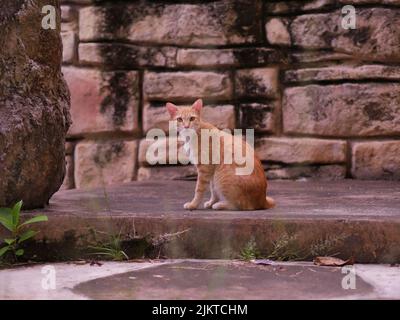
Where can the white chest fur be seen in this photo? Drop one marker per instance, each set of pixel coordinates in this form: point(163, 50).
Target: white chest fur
point(190, 145)
point(189, 149)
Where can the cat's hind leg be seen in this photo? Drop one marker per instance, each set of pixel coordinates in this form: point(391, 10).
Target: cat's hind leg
point(213, 199)
point(223, 205)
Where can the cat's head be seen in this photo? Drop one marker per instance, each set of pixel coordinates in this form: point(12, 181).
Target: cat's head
point(186, 117)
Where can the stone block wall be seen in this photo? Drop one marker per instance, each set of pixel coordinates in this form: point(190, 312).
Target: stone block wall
point(324, 101)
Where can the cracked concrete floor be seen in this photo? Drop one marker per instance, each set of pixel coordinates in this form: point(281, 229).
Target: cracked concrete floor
point(197, 279)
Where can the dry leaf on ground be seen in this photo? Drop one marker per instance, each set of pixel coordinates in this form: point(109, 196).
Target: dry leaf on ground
point(332, 261)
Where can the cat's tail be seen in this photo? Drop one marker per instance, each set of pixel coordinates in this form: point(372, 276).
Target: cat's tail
point(269, 203)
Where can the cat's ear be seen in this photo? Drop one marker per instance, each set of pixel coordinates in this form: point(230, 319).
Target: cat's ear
point(172, 109)
point(198, 105)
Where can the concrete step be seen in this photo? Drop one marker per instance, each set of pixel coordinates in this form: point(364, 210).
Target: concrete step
point(346, 218)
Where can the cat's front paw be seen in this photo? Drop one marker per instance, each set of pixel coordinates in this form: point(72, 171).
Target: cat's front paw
point(190, 206)
point(208, 204)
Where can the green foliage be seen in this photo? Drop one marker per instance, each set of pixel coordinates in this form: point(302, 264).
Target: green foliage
point(286, 248)
point(327, 245)
point(10, 219)
point(111, 249)
point(249, 252)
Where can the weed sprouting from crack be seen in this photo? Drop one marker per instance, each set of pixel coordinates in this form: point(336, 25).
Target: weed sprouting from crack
point(326, 246)
point(159, 241)
point(250, 251)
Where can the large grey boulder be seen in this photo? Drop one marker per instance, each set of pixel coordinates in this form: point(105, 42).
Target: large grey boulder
point(34, 104)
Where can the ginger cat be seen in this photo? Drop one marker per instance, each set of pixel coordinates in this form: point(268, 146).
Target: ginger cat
point(229, 191)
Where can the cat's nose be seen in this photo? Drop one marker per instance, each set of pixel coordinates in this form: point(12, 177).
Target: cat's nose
point(186, 126)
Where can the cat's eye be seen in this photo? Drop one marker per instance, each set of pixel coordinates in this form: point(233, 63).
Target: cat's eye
point(192, 118)
point(179, 119)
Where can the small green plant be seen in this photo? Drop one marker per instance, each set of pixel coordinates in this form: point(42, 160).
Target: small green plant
point(111, 249)
point(326, 246)
point(286, 248)
point(10, 219)
point(249, 252)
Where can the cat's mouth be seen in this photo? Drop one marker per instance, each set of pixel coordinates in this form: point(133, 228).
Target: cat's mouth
point(186, 134)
